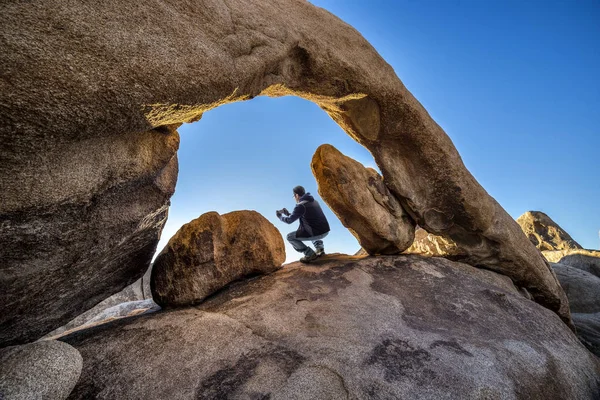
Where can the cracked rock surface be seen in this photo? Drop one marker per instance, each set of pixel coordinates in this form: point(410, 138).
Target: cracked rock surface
point(345, 327)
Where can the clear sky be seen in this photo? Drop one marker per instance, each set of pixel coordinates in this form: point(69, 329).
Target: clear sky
point(515, 84)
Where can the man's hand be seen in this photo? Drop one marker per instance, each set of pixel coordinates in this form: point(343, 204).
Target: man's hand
point(278, 213)
point(286, 212)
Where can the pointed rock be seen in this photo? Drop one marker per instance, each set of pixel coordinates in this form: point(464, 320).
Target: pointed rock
point(544, 233)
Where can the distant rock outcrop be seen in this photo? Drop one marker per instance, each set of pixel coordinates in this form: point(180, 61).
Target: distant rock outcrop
point(544, 233)
point(212, 251)
point(585, 260)
point(362, 202)
point(433, 245)
point(46, 370)
point(389, 327)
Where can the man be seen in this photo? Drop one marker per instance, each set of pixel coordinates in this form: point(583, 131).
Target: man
point(313, 224)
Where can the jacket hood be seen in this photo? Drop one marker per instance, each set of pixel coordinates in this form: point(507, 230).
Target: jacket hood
point(307, 197)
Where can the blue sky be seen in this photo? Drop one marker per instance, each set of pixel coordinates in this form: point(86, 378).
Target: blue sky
point(515, 84)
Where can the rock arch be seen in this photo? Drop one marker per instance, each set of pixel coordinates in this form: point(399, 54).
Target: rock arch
point(92, 94)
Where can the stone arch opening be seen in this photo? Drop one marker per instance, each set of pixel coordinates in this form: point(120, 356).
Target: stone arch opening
point(275, 143)
point(89, 140)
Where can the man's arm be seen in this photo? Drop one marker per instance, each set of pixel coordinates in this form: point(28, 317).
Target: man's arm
point(299, 211)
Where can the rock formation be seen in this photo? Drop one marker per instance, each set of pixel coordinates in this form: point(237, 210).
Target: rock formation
point(588, 330)
point(121, 310)
point(376, 327)
point(362, 202)
point(582, 288)
point(133, 292)
point(84, 229)
point(44, 370)
point(544, 233)
point(579, 274)
point(88, 140)
point(212, 251)
point(428, 244)
point(585, 260)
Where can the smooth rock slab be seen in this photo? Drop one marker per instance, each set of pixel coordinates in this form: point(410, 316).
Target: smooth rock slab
point(212, 251)
point(588, 330)
point(43, 370)
point(362, 202)
point(585, 260)
point(582, 288)
point(396, 327)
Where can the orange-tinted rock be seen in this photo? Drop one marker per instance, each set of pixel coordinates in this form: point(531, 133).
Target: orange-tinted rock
point(426, 243)
point(212, 251)
point(362, 202)
point(544, 233)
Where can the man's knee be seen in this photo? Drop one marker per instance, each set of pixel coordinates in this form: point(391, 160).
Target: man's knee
point(291, 236)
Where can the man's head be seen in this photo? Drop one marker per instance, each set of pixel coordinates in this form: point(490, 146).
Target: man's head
point(298, 192)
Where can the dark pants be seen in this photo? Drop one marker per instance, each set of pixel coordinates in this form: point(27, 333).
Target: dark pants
point(301, 247)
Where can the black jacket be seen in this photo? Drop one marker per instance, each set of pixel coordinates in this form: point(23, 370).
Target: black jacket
point(312, 219)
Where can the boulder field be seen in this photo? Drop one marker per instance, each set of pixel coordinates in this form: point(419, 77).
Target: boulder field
point(345, 327)
point(88, 139)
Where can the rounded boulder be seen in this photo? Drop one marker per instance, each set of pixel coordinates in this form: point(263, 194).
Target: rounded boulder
point(43, 370)
point(212, 251)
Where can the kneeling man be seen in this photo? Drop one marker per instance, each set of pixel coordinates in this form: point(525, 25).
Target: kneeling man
point(313, 224)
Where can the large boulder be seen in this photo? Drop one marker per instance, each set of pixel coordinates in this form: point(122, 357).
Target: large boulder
point(583, 291)
point(362, 202)
point(544, 233)
point(585, 260)
point(373, 327)
point(44, 370)
point(588, 330)
point(212, 251)
point(582, 288)
point(84, 229)
point(88, 140)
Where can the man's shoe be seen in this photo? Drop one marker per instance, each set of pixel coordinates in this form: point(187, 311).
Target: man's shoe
point(320, 252)
point(309, 258)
